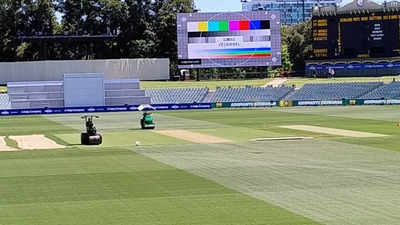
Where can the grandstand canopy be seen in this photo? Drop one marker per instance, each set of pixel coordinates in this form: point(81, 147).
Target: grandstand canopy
point(60, 38)
point(357, 6)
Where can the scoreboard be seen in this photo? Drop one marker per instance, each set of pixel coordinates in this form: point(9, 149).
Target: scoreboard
point(356, 35)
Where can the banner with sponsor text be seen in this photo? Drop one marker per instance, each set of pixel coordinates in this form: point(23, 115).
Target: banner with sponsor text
point(100, 109)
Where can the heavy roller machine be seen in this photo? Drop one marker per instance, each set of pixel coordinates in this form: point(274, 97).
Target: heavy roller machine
point(147, 122)
point(91, 136)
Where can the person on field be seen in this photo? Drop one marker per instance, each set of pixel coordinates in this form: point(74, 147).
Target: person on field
point(331, 73)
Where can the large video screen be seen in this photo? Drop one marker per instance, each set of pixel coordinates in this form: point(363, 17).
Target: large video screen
point(369, 35)
point(241, 39)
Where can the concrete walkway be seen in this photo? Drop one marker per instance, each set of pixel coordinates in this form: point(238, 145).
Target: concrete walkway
point(276, 82)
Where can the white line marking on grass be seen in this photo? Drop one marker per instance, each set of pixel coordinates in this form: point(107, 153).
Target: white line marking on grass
point(281, 139)
point(333, 131)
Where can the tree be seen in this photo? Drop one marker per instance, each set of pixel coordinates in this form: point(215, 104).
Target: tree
point(285, 56)
point(137, 37)
point(111, 14)
point(165, 27)
point(81, 17)
point(299, 42)
point(34, 18)
point(8, 29)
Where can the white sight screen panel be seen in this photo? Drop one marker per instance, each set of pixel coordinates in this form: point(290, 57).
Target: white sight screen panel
point(240, 39)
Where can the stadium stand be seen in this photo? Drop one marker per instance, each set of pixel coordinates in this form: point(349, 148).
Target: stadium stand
point(388, 91)
point(43, 94)
point(124, 92)
point(127, 92)
point(333, 91)
point(5, 101)
point(250, 94)
point(177, 95)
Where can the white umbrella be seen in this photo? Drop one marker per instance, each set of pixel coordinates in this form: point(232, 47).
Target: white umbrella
point(146, 107)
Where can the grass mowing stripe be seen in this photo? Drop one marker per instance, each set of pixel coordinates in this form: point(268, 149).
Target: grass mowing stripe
point(118, 139)
point(381, 112)
point(330, 182)
point(60, 153)
point(107, 121)
point(144, 191)
point(100, 163)
point(103, 186)
point(129, 121)
point(231, 209)
point(343, 184)
point(26, 125)
point(265, 119)
point(270, 120)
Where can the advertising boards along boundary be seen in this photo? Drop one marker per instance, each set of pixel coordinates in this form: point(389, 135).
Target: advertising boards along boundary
point(196, 106)
point(100, 109)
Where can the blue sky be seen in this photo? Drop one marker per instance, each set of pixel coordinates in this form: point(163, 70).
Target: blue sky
point(229, 5)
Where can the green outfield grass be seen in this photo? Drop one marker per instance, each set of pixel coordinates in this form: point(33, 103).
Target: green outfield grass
point(117, 186)
point(330, 179)
point(118, 139)
point(25, 125)
point(212, 84)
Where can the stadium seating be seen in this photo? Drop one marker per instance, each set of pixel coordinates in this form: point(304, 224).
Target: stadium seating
point(5, 101)
point(127, 92)
point(333, 91)
point(389, 91)
point(177, 95)
point(36, 94)
point(124, 92)
point(249, 94)
point(41, 94)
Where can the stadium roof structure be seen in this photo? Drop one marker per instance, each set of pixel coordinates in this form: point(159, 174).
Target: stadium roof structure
point(357, 6)
point(67, 37)
point(44, 40)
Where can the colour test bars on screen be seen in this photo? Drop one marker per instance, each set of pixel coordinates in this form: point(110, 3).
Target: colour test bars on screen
point(229, 39)
point(235, 25)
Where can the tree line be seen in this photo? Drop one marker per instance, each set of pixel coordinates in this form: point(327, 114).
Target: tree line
point(139, 29)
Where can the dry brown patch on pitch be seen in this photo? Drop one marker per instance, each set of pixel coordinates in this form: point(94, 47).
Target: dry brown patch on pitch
point(333, 131)
point(31, 142)
point(192, 136)
point(4, 147)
